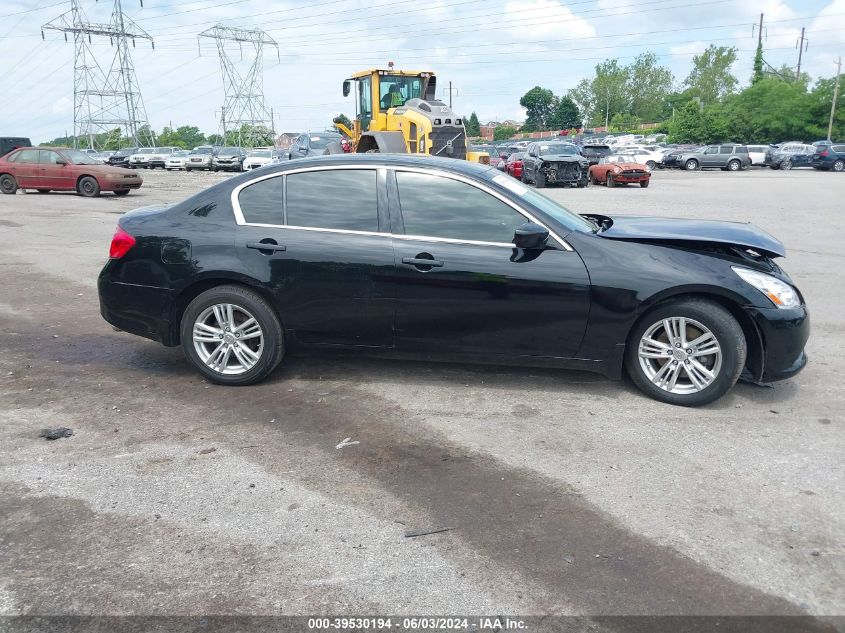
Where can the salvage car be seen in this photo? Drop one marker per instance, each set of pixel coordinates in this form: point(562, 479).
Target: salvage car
point(177, 160)
point(790, 155)
point(726, 157)
point(417, 256)
point(229, 159)
point(48, 169)
point(513, 166)
point(829, 157)
point(313, 144)
point(594, 151)
point(620, 169)
point(121, 157)
point(258, 157)
point(554, 163)
point(201, 157)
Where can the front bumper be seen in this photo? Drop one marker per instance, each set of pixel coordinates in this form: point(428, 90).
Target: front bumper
point(631, 178)
point(784, 334)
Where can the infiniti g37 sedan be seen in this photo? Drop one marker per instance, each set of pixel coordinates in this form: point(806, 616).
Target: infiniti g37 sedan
point(450, 260)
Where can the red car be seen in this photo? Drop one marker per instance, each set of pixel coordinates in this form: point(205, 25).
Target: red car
point(619, 173)
point(514, 165)
point(58, 169)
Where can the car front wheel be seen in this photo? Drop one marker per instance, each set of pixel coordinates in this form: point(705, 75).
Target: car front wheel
point(232, 336)
point(691, 164)
point(88, 187)
point(688, 352)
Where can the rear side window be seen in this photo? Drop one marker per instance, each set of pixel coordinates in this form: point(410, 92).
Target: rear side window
point(434, 206)
point(839, 149)
point(262, 202)
point(726, 149)
point(344, 199)
point(27, 156)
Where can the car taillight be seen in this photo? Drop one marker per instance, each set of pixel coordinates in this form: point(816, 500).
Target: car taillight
point(823, 153)
point(120, 244)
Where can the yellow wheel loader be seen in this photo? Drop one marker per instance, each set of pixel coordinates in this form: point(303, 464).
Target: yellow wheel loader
point(396, 112)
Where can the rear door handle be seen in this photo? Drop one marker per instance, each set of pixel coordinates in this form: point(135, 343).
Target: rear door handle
point(266, 246)
point(421, 261)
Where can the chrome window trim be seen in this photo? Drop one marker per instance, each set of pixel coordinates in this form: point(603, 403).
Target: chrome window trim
point(239, 217)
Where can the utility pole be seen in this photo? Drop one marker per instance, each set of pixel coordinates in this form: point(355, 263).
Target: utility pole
point(835, 97)
point(452, 91)
point(802, 44)
point(760, 32)
point(104, 101)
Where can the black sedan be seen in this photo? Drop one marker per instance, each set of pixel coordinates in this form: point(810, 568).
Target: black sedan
point(452, 260)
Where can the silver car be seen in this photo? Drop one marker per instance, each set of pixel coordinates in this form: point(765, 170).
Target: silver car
point(177, 160)
point(201, 157)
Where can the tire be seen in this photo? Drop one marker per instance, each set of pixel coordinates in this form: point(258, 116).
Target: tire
point(88, 187)
point(581, 185)
point(644, 183)
point(734, 165)
point(8, 184)
point(266, 340)
point(43, 190)
point(786, 165)
point(122, 192)
point(610, 181)
point(691, 165)
point(539, 180)
point(650, 164)
point(839, 165)
point(712, 375)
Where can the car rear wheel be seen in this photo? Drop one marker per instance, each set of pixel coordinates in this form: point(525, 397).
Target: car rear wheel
point(232, 336)
point(88, 187)
point(691, 165)
point(839, 165)
point(8, 184)
point(688, 352)
point(734, 165)
point(787, 164)
point(650, 164)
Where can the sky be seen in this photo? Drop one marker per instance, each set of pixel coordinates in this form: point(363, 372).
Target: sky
point(492, 51)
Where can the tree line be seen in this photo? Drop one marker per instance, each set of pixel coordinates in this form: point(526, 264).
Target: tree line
point(708, 106)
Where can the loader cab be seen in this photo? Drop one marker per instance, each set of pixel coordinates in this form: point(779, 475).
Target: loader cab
point(377, 91)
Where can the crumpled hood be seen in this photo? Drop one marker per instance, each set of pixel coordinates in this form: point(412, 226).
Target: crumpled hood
point(742, 234)
point(563, 158)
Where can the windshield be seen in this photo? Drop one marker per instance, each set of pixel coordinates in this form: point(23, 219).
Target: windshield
point(395, 91)
point(75, 157)
point(547, 205)
point(202, 150)
point(180, 154)
point(146, 150)
point(558, 148)
point(320, 142)
point(229, 150)
point(261, 153)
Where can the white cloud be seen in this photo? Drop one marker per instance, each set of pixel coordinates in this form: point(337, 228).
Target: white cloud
point(534, 19)
point(62, 105)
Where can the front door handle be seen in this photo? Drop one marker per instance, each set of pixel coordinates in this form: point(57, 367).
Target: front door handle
point(266, 246)
point(422, 261)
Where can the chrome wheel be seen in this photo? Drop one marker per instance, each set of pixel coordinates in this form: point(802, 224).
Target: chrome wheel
point(680, 355)
point(228, 339)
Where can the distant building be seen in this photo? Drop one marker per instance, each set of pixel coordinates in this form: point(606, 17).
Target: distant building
point(487, 129)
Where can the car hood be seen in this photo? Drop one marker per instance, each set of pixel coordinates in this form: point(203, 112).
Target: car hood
point(651, 229)
point(565, 158)
point(640, 166)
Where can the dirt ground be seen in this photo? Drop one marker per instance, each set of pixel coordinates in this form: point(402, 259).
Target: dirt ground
point(565, 493)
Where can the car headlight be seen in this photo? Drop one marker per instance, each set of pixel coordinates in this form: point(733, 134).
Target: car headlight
point(617, 170)
point(781, 294)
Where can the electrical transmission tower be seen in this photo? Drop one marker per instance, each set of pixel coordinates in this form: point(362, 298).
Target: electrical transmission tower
point(105, 102)
point(244, 111)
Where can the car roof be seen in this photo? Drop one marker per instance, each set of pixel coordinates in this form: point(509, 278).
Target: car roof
point(464, 167)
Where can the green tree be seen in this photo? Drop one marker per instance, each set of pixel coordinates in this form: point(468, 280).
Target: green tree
point(584, 99)
point(503, 132)
point(647, 85)
point(711, 76)
point(758, 64)
point(473, 126)
point(769, 111)
point(566, 115)
point(539, 104)
point(624, 122)
point(214, 139)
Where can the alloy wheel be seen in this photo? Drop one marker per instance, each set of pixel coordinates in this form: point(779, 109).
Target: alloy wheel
point(228, 339)
point(839, 165)
point(680, 355)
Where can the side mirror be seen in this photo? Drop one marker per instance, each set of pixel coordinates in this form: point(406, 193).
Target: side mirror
point(347, 87)
point(530, 236)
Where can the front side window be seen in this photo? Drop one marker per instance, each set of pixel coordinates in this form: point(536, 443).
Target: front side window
point(344, 199)
point(49, 157)
point(711, 150)
point(75, 157)
point(262, 201)
point(435, 206)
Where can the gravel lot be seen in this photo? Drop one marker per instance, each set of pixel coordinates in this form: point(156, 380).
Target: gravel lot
point(566, 493)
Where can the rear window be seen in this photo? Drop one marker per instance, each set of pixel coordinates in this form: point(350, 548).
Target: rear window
point(261, 202)
point(344, 199)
